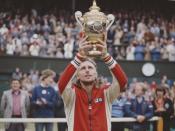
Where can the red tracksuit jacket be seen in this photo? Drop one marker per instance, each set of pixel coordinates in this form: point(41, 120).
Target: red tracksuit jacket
point(94, 115)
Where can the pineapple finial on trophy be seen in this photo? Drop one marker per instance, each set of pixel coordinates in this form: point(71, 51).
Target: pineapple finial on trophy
point(94, 6)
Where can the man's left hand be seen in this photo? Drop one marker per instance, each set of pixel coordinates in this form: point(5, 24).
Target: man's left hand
point(102, 47)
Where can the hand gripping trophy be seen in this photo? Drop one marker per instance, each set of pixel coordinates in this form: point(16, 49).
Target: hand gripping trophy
point(94, 24)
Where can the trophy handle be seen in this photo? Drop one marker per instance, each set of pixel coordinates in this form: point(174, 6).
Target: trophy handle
point(78, 16)
point(111, 19)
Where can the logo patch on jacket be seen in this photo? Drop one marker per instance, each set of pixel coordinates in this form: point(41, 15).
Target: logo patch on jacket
point(98, 100)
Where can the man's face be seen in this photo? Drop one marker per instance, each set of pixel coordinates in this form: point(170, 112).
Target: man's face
point(87, 72)
point(49, 80)
point(138, 90)
point(15, 84)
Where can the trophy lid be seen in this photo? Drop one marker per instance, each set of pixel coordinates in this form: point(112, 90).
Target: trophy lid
point(95, 14)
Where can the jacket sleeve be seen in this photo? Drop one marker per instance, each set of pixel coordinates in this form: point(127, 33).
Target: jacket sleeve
point(149, 111)
point(65, 81)
point(34, 97)
point(3, 102)
point(169, 107)
point(59, 101)
point(51, 103)
point(27, 102)
point(119, 79)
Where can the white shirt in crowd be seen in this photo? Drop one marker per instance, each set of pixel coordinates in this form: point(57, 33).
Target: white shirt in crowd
point(10, 48)
point(34, 49)
point(68, 49)
point(3, 29)
point(130, 52)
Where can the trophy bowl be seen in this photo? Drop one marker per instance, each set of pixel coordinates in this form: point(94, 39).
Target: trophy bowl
point(94, 24)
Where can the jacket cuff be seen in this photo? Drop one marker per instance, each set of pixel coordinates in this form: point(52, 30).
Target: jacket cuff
point(78, 59)
point(109, 61)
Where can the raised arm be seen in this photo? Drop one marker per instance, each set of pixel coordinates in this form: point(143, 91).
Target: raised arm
point(118, 75)
point(65, 80)
point(119, 78)
point(70, 71)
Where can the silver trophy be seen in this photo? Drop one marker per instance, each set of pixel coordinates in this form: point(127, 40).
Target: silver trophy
point(94, 24)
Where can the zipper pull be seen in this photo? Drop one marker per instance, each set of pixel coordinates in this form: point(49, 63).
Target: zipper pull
point(90, 105)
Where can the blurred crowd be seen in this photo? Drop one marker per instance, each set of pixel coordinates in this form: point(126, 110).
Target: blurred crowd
point(135, 35)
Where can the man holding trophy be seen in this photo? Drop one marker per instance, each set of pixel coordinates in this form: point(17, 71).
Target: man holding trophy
point(87, 103)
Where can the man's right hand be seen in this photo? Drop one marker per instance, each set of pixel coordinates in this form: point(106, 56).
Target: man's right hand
point(84, 47)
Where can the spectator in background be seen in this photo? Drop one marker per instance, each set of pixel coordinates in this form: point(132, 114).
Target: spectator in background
point(139, 51)
point(25, 50)
point(44, 99)
point(139, 108)
point(131, 34)
point(17, 74)
point(156, 52)
point(163, 107)
point(171, 50)
point(141, 29)
point(147, 52)
point(173, 94)
point(34, 49)
point(27, 84)
point(18, 45)
point(10, 47)
point(59, 53)
point(111, 35)
point(153, 86)
point(34, 76)
point(118, 112)
point(15, 104)
point(173, 100)
point(68, 47)
point(172, 30)
point(118, 36)
point(3, 29)
point(130, 52)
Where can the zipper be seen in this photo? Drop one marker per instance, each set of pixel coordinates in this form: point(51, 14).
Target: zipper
point(90, 114)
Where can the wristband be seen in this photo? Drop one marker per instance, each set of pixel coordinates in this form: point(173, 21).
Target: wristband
point(109, 61)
